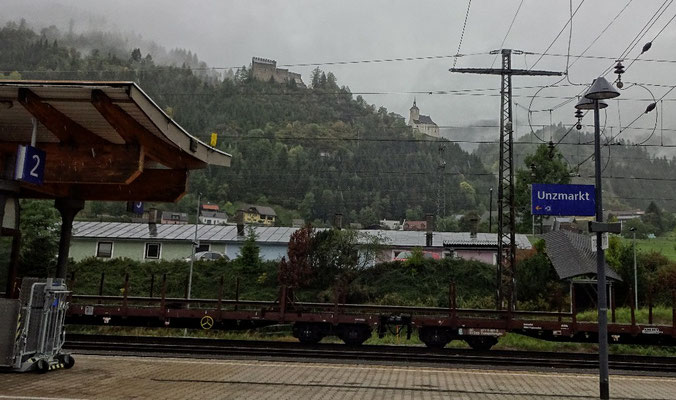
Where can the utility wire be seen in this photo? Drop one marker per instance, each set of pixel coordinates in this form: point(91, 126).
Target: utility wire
point(570, 20)
point(462, 34)
point(508, 30)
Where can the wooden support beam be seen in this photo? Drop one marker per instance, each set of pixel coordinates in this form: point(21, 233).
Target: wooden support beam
point(133, 132)
point(64, 128)
point(164, 185)
point(101, 164)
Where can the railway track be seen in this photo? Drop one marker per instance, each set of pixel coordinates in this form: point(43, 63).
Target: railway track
point(181, 346)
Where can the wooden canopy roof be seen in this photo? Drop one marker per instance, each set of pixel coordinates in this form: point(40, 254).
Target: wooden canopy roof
point(103, 141)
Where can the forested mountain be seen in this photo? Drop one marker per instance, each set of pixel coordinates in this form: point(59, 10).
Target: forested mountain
point(316, 150)
point(632, 176)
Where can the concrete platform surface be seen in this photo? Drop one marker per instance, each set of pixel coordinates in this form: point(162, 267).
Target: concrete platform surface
point(115, 377)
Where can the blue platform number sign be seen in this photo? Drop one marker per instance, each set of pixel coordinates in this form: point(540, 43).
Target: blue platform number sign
point(30, 165)
point(138, 207)
point(570, 200)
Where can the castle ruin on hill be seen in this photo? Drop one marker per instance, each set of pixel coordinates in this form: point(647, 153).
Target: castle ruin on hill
point(264, 69)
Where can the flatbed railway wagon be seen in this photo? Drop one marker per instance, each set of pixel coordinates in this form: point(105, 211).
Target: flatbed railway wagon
point(355, 323)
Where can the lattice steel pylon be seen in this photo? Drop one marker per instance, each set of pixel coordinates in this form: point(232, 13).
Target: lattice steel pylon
point(506, 259)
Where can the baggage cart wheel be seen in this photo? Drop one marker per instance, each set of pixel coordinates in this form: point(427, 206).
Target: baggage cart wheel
point(67, 360)
point(42, 366)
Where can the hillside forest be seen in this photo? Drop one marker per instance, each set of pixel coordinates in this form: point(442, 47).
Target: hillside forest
point(312, 152)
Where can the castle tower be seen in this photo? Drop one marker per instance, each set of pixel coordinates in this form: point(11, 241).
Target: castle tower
point(415, 112)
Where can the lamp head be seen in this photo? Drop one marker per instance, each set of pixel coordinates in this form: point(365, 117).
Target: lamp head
point(587, 104)
point(601, 89)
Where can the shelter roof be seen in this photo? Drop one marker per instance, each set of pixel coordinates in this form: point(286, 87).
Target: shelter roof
point(103, 141)
point(571, 255)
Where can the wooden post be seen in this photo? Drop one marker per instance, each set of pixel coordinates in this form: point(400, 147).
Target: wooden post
point(650, 306)
point(152, 284)
point(164, 295)
point(509, 312)
point(673, 313)
point(633, 309)
point(453, 301)
point(103, 278)
point(126, 293)
point(68, 208)
point(559, 304)
point(237, 294)
point(282, 303)
point(573, 306)
point(220, 297)
point(612, 303)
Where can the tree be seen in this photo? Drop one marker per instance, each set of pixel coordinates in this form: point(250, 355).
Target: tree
point(249, 254)
point(414, 214)
point(297, 271)
point(136, 55)
point(40, 226)
point(544, 166)
point(316, 77)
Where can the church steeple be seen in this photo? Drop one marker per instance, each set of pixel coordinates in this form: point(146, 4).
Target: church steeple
point(415, 112)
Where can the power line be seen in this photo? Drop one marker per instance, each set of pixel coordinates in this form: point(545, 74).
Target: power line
point(462, 34)
point(506, 34)
point(570, 20)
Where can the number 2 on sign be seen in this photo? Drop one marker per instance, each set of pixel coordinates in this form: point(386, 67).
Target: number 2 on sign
point(34, 171)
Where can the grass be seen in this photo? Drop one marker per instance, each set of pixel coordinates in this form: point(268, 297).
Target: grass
point(661, 315)
point(665, 245)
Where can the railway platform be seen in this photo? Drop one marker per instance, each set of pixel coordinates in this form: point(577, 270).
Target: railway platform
point(125, 377)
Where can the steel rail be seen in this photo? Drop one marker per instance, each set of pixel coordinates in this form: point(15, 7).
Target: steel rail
point(219, 348)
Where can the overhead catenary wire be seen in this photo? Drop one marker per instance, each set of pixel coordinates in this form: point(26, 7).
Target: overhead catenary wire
point(558, 35)
point(506, 34)
point(462, 34)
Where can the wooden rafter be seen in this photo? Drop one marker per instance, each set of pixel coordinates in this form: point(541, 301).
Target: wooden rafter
point(64, 128)
point(151, 185)
point(101, 164)
point(133, 132)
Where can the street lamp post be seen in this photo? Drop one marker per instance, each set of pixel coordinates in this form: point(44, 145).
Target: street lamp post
point(194, 245)
point(600, 89)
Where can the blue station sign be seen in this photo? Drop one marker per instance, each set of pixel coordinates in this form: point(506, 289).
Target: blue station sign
point(30, 165)
point(547, 199)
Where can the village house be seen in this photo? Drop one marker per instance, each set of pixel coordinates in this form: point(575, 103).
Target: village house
point(257, 215)
point(142, 242)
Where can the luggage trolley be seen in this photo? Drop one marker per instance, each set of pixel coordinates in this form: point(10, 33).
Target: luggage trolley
point(34, 334)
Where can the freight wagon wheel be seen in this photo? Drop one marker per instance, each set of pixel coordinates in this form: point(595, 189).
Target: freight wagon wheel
point(308, 333)
point(482, 343)
point(354, 335)
point(67, 360)
point(433, 337)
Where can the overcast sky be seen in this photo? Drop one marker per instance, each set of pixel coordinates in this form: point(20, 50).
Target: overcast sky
point(229, 33)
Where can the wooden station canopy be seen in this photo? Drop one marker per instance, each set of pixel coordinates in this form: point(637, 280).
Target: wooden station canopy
point(103, 141)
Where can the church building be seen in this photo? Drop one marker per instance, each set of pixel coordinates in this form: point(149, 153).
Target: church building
point(422, 123)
